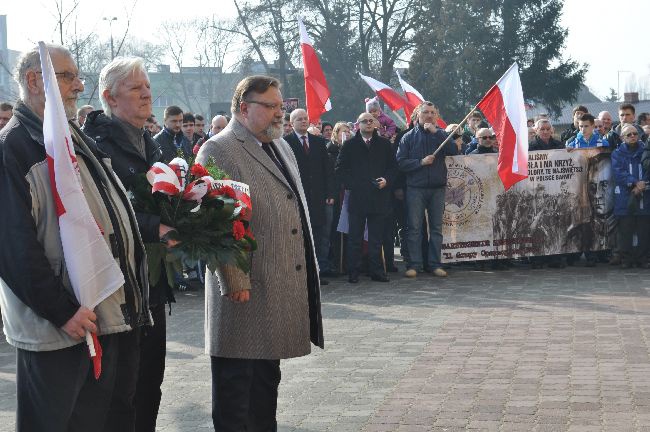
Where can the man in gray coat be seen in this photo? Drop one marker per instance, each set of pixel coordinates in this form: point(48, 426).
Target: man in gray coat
point(254, 320)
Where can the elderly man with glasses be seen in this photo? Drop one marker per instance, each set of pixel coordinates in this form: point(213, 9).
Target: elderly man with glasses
point(55, 384)
point(426, 182)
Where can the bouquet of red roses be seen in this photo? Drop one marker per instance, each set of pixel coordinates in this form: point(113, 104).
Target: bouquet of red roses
point(210, 213)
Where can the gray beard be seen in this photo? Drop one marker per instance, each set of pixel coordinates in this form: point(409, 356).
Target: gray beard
point(273, 132)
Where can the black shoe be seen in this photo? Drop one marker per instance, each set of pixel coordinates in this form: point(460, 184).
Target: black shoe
point(380, 278)
point(324, 282)
point(353, 278)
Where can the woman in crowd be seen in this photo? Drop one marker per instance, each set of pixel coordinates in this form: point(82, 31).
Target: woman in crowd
point(631, 199)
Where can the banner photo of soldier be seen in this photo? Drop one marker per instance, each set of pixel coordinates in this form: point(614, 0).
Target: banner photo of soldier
point(564, 206)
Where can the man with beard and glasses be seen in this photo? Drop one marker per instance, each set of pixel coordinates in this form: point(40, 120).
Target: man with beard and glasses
point(56, 387)
point(254, 320)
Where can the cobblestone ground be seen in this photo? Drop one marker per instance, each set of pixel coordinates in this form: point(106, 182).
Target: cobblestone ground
point(505, 351)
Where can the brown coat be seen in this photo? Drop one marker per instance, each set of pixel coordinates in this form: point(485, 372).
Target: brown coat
point(284, 312)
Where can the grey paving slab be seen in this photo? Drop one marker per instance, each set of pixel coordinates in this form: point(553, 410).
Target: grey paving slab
point(515, 350)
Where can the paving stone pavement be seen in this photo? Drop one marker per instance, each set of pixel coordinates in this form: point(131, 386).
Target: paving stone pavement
point(515, 350)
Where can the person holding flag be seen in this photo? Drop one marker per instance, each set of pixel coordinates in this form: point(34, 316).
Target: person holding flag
point(53, 294)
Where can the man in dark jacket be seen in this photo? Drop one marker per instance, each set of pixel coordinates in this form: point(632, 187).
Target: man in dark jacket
point(572, 131)
point(119, 131)
point(367, 165)
point(55, 384)
point(171, 139)
point(426, 182)
point(317, 176)
point(544, 137)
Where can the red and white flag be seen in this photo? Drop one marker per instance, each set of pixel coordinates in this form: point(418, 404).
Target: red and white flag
point(503, 106)
point(317, 94)
point(92, 270)
point(413, 99)
point(390, 97)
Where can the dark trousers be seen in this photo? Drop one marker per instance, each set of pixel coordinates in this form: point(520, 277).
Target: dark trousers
point(388, 239)
point(244, 394)
point(628, 226)
point(57, 390)
point(152, 370)
point(355, 237)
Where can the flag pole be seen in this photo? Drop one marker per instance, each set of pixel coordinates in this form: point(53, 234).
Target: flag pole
point(400, 118)
point(456, 130)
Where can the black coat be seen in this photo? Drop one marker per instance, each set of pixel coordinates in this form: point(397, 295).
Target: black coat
point(316, 174)
point(166, 141)
point(359, 165)
point(538, 144)
point(128, 163)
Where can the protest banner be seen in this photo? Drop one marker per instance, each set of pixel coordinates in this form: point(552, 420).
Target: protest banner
point(564, 206)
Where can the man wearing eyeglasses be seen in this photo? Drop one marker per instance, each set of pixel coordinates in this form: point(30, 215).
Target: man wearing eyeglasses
point(55, 384)
point(426, 182)
point(366, 165)
point(254, 320)
point(487, 142)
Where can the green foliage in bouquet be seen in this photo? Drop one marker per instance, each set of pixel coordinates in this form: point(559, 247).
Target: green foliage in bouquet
point(213, 231)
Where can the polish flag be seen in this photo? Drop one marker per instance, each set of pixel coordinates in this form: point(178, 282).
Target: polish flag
point(92, 270)
point(413, 99)
point(317, 94)
point(393, 99)
point(503, 107)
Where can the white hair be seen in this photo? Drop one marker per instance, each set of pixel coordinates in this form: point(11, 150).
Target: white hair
point(115, 72)
point(31, 61)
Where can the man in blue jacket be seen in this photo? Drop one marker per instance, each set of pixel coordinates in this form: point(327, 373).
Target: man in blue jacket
point(426, 182)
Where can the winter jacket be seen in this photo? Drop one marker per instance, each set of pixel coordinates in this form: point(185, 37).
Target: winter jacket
point(580, 142)
point(538, 144)
point(128, 163)
point(628, 170)
point(417, 144)
point(387, 126)
point(358, 166)
point(36, 297)
point(484, 150)
point(170, 144)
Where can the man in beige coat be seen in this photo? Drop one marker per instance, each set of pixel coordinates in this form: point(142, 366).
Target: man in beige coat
point(254, 320)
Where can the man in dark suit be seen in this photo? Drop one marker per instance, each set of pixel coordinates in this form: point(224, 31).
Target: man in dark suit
point(317, 175)
point(367, 165)
point(254, 320)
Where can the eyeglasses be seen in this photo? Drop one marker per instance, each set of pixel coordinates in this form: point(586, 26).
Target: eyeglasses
point(68, 77)
point(367, 121)
point(272, 106)
point(631, 134)
point(491, 137)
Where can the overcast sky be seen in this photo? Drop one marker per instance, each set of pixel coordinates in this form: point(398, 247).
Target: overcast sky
point(595, 37)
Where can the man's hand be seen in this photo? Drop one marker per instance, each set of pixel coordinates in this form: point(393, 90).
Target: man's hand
point(163, 230)
point(240, 296)
point(427, 160)
point(640, 185)
point(381, 182)
point(83, 320)
point(431, 127)
point(329, 201)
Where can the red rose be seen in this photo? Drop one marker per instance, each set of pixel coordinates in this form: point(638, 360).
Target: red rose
point(228, 191)
point(198, 170)
point(238, 230)
point(249, 233)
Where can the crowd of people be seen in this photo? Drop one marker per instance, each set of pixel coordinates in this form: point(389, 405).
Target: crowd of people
point(380, 184)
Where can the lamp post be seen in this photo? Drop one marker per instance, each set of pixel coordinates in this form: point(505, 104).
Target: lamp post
point(618, 83)
point(110, 26)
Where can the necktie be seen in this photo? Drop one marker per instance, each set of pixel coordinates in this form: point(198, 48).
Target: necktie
point(367, 143)
point(305, 146)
